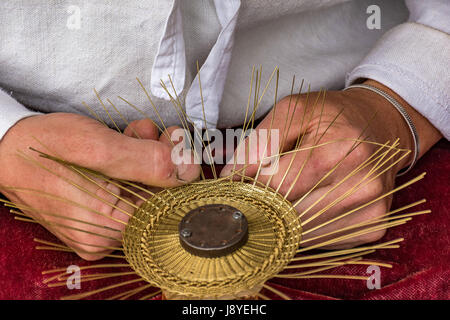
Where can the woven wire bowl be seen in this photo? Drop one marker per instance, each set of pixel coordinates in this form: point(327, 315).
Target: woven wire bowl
point(152, 246)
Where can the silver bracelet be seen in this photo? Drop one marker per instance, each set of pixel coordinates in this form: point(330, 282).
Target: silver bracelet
point(405, 116)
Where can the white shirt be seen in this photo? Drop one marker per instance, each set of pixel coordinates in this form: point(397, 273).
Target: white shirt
point(51, 56)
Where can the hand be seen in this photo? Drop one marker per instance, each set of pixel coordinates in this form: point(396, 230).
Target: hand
point(87, 143)
point(349, 112)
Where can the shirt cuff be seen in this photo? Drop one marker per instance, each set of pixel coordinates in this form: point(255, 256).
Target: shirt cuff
point(413, 60)
point(11, 112)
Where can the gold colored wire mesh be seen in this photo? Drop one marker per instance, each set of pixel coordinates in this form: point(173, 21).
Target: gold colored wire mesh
point(152, 247)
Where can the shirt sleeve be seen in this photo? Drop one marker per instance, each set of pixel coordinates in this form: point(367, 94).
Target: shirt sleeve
point(413, 59)
point(11, 111)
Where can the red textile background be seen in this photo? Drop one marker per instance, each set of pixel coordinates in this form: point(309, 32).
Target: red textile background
point(420, 267)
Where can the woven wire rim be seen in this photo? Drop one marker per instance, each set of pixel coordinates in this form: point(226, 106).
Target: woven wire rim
point(152, 247)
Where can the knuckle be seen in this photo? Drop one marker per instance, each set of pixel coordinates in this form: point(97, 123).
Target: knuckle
point(374, 189)
point(99, 206)
point(379, 209)
point(330, 160)
point(373, 236)
point(353, 132)
point(360, 153)
point(146, 127)
point(284, 102)
point(324, 160)
point(288, 102)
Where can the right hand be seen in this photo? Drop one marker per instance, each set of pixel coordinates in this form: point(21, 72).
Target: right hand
point(85, 142)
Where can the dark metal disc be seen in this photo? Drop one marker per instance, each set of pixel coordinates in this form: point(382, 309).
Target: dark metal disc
point(213, 230)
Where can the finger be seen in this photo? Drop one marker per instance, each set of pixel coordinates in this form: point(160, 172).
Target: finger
point(142, 129)
point(85, 252)
point(189, 170)
point(294, 175)
point(331, 231)
point(90, 232)
point(313, 166)
point(329, 201)
point(95, 243)
point(119, 156)
point(105, 222)
point(260, 146)
point(333, 207)
point(285, 123)
point(98, 230)
point(141, 194)
point(113, 204)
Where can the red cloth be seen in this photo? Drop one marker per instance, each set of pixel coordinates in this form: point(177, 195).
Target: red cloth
point(420, 267)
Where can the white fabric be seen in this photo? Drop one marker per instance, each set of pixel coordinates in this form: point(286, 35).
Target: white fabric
point(54, 68)
point(213, 73)
point(11, 112)
point(171, 57)
point(413, 59)
point(171, 60)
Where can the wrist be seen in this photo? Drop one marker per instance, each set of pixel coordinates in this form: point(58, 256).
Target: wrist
point(428, 134)
point(397, 119)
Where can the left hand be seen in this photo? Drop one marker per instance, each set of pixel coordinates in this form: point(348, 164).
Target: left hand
point(356, 109)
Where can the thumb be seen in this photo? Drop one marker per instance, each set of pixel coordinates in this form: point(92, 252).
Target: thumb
point(146, 129)
point(142, 160)
point(91, 145)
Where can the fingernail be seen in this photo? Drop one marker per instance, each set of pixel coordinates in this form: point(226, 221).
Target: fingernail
point(181, 170)
point(225, 171)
